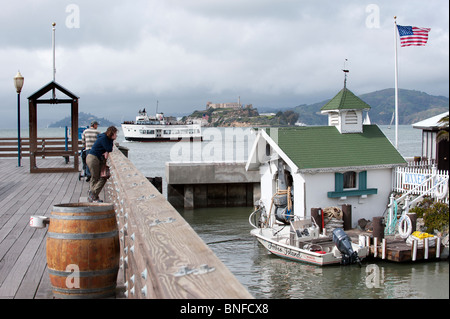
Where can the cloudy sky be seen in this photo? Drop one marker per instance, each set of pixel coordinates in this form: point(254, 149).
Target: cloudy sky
point(119, 56)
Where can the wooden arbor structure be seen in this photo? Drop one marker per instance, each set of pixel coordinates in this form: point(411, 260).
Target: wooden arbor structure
point(72, 150)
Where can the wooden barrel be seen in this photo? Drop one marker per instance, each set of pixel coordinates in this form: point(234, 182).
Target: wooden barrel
point(83, 250)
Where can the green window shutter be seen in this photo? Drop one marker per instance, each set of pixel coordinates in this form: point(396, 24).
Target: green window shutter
point(362, 180)
point(338, 182)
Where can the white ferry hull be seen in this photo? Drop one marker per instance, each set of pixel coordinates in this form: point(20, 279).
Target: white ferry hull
point(161, 133)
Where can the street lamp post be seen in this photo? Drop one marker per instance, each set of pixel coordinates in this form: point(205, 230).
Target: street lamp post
point(18, 83)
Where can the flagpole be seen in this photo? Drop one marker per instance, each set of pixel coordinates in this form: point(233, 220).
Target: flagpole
point(53, 46)
point(396, 84)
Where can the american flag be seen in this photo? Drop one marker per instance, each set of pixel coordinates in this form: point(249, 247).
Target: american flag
point(412, 35)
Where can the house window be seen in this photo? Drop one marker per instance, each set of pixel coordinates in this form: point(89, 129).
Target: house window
point(351, 184)
point(268, 151)
point(349, 180)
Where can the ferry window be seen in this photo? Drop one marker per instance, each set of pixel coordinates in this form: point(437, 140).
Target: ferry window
point(147, 131)
point(349, 179)
point(166, 131)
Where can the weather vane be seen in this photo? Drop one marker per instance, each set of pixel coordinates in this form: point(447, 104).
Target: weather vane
point(345, 73)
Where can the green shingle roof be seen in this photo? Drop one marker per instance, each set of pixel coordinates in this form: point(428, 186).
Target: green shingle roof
point(345, 99)
point(313, 147)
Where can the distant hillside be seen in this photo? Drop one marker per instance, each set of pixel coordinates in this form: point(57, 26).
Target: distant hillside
point(84, 119)
point(245, 117)
point(413, 106)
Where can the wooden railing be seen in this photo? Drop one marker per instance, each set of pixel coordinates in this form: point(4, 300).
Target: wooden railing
point(161, 255)
point(50, 145)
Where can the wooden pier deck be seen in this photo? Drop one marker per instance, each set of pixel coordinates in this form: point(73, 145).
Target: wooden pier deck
point(160, 260)
point(23, 263)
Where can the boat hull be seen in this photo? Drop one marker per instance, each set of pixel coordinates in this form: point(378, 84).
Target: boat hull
point(172, 139)
point(296, 254)
point(284, 250)
point(162, 133)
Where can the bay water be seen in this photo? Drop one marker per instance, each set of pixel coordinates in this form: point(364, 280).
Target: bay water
point(227, 231)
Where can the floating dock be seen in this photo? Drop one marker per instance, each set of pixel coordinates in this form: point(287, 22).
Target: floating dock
point(395, 249)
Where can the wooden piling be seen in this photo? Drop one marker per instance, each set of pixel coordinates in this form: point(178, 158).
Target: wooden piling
point(378, 228)
point(347, 216)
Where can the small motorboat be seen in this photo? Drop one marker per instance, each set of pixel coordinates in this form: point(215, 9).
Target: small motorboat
point(298, 239)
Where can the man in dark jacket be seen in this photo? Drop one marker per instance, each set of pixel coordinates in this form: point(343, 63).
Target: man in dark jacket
point(96, 158)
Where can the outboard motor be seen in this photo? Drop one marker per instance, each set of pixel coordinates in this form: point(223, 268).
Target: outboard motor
point(344, 244)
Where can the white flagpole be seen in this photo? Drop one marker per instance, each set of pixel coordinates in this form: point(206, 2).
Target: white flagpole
point(53, 45)
point(396, 84)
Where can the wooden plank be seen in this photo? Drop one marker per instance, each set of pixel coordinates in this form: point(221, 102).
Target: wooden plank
point(36, 282)
point(19, 232)
point(22, 248)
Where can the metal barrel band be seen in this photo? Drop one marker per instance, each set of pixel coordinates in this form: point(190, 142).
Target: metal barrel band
point(82, 236)
point(83, 217)
point(84, 274)
point(84, 293)
point(77, 208)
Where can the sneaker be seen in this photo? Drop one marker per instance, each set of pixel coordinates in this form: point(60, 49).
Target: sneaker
point(90, 196)
point(97, 199)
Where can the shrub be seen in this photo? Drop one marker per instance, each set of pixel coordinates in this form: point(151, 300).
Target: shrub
point(422, 207)
point(436, 217)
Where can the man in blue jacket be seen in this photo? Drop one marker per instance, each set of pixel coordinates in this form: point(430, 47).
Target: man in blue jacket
point(96, 158)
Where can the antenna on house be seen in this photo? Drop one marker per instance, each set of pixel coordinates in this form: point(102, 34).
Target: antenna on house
point(345, 74)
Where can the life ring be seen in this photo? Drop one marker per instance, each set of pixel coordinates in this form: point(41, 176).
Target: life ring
point(404, 226)
point(441, 191)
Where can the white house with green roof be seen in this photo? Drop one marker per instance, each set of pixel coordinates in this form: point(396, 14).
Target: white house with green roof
point(345, 162)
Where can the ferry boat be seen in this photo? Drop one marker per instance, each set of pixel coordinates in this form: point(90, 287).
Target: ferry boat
point(159, 129)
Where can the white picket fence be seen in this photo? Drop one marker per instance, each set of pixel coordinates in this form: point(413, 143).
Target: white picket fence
point(418, 181)
point(414, 182)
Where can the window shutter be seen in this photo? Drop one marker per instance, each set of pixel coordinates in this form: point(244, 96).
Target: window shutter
point(338, 182)
point(362, 180)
